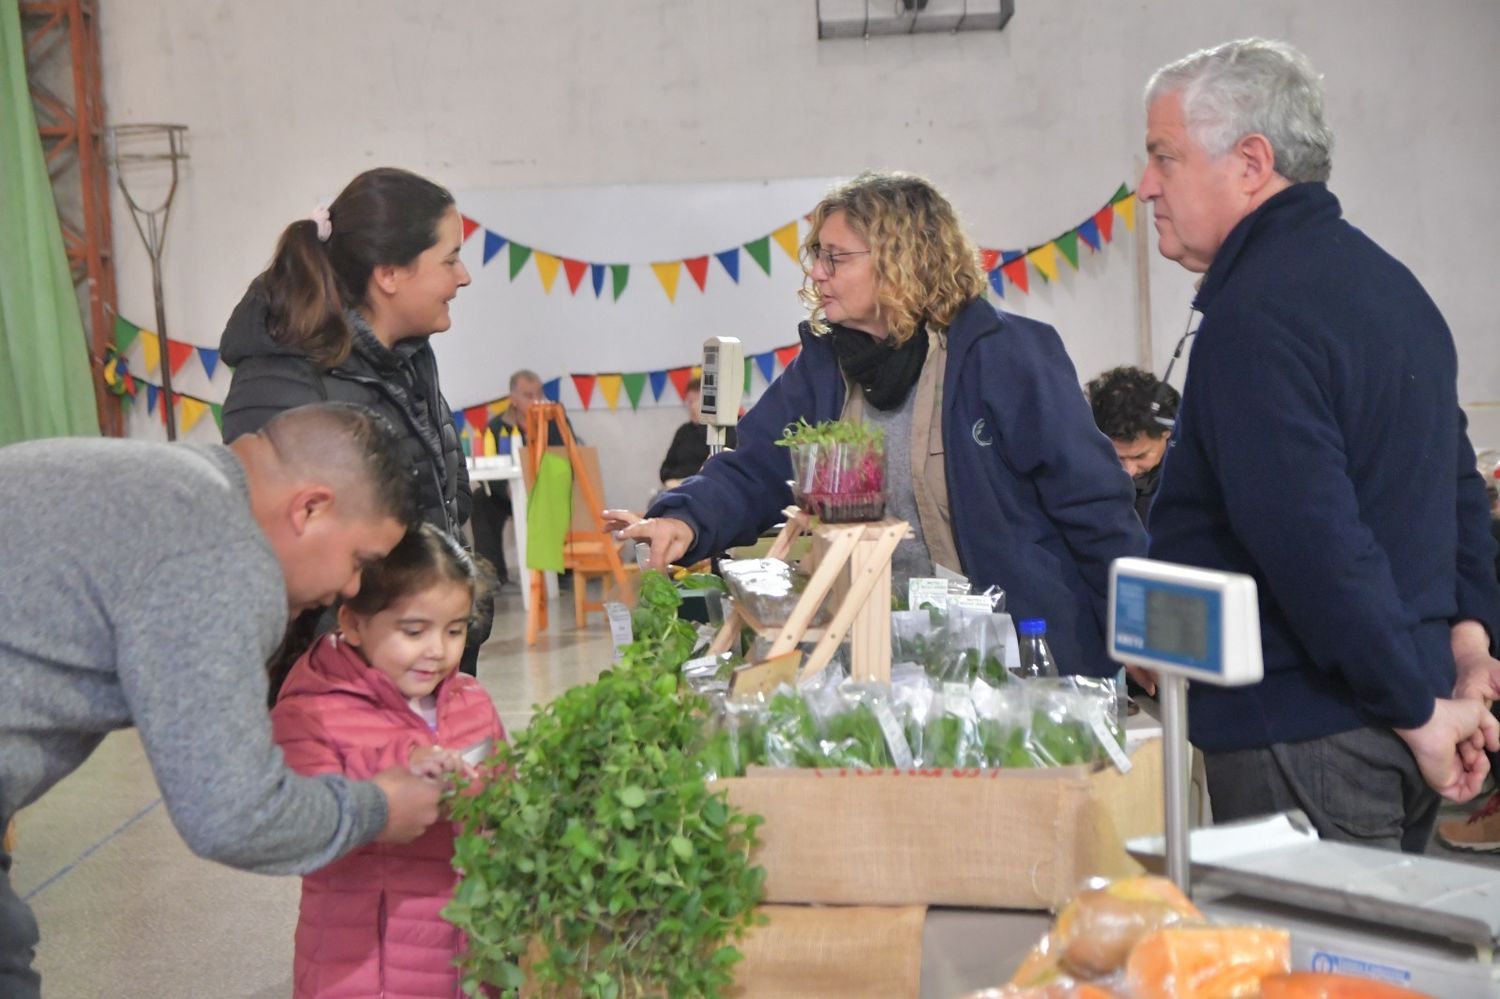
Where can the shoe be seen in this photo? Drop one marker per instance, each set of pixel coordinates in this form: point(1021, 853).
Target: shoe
point(1479, 833)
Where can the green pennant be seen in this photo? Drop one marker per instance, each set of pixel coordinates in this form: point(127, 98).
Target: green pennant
point(619, 274)
point(125, 333)
point(749, 366)
point(760, 250)
point(1121, 194)
point(635, 384)
point(518, 256)
point(218, 412)
point(1068, 244)
point(126, 401)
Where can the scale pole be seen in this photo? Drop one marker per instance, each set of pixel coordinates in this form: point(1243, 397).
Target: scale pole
point(1174, 775)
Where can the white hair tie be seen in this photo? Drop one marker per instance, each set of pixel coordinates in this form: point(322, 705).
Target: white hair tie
point(324, 222)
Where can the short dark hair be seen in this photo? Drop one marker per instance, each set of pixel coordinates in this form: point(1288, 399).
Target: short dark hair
point(1121, 399)
point(355, 449)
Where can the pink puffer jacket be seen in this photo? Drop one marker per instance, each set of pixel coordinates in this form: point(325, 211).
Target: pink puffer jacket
point(370, 923)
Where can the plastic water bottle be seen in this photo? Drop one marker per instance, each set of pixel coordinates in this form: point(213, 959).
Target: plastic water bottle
point(1036, 655)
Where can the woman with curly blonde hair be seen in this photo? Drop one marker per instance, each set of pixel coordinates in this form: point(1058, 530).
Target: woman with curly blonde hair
point(991, 450)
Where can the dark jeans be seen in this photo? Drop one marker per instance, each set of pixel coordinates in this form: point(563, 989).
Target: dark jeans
point(18, 939)
point(1356, 787)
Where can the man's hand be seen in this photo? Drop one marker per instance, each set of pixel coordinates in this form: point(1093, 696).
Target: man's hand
point(411, 804)
point(1450, 748)
point(669, 537)
point(1478, 671)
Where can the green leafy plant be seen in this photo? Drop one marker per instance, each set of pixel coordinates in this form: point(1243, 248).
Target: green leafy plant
point(601, 864)
point(861, 435)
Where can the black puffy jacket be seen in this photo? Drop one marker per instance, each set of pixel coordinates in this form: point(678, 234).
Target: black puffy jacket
point(400, 383)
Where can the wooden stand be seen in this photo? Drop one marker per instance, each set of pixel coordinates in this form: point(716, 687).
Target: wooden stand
point(590, 553)
point(863, 610)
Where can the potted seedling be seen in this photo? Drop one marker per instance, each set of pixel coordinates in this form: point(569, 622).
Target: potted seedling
point(838, 469)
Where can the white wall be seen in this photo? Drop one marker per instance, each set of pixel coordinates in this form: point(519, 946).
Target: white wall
point(1027, 130)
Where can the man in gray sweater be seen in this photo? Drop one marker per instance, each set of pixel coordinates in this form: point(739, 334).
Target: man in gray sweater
point(147, 584)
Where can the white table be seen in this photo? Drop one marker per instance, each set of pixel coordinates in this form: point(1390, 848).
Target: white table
point(505, 468)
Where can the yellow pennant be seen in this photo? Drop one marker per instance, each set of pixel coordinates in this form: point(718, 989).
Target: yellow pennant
point(546, 266)
point(609, 385)
point(151, 347)
point(786, 238)
point(1125, 211)
point(698, 371)
point(496, 408)
point(667, 274)
point(192, 412)
point(1044, 258)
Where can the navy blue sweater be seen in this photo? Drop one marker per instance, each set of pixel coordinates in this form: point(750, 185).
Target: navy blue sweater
point(1320, 449)
point(1039, 503)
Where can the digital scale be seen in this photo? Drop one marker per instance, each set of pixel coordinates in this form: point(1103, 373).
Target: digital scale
point(1416, 921)
point(723, 388)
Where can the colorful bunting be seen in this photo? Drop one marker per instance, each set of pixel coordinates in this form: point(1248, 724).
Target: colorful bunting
point(493, 244)
point(749, 368)
point(667, 274)
point(192, 412)
point(151, 393)
point(597, 270)
point(477, 417)
point(178, 354)
point(619, 274)
point(518, 256)
point(658, 382)
point(786, 355)
point(1016, 271)
point(1104, 218)
point(575, 270)
point(151, 347)
point(635, 382)
point(609, 387)
point(1067, 245)
point(760, 252)
point(697, 269)
point(469, 226)
point(218, 412)
point(680, 378)
point(585, 386)
point(1044, 259)
point(552, 390)
point(1125, 208)
point(996, 282)
point(786, 238)
point(125, 333)
point(988, 260)
point(731, 261)
point(546, 267)
point(209, 358)
point(1089, 233)
point(767, 364)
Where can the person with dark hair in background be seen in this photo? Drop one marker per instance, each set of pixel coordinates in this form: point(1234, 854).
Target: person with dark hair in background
point(158, 578)
point(1127, 403)
point(689, 448)
point(344, 312)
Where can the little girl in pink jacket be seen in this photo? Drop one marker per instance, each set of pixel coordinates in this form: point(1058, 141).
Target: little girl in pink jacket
point(384, 691)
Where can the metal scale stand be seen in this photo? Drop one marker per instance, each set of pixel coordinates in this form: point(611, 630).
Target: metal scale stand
point(1414, 921)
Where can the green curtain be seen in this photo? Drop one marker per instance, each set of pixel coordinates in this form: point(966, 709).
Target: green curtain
point(46, 387)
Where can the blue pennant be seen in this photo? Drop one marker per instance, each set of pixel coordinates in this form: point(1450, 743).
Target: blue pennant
point(1089, 233)
point(1006, 256)
point(151, 392)
point(493, 244)
point(997, 281)
point(731, 261)
point(658, 383)
point(767, 364)
point(210, 359)
point(597, 271)
point(552, 390)
point(458, 422)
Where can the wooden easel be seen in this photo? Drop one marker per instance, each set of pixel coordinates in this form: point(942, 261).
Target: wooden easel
point(592, 552)
point(863, 610)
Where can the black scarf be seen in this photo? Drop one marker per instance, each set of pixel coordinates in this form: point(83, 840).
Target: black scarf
point(886, 373)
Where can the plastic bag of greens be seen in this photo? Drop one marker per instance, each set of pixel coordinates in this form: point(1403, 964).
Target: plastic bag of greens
point(1073, 721)
point(860, 729)
point(912, 693)
point(1005, 725)
point(791, 733)
point(950, 737)
point(980, 635)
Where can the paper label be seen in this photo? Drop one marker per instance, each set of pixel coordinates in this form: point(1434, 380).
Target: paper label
point(971, 603)
point(1106, 738)
point(895, 738)
point(621, 632)
point(923, 590)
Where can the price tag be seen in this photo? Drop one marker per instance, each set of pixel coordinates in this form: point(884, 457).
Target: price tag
point(921, 591)
point(895, 738)
point(621, 632)
point(1106, 738)
point(971, 602)
point(763, 678)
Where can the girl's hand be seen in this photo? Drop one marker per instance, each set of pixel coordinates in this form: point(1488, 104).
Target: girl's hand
point(434, 762)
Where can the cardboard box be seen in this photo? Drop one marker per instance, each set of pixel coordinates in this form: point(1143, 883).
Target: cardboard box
point(855, 952)
point(1013, 839)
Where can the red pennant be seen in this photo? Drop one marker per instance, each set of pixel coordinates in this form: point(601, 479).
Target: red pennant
point(178, 354)
point(477, 417)
point(988, 259)
point(1104, 218)
point(575, 270)
point(469, 226)
point(585, 386)
point(680, 378)
point(786, 355)
point(1016, 271)
point(698, 268)
point(130, 388)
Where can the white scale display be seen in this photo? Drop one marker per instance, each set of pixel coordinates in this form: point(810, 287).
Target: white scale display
point(723, 388)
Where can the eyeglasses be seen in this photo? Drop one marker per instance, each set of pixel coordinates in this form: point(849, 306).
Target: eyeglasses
point(816, 254)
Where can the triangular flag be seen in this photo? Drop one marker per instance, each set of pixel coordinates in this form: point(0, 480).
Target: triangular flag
point(619, 274)
point(697, 371)
point(1089, 233)
point(1067, 243)
point(192, 412)
point(1121, 194)
point(209, 358)
point(1044, 259)
point(151, 393)
point(575, 270)
point(125, 333)
point(635, 383)
point(458, 423)
point(1126, 211)
point(667, 274)
point(552, 390)
point(546, 266)
point(218, 412)
point(680, 378)
point(729, 258)
point(493, 244)
point(585, 386)
point(767, 364)
point(498, 407)
point(697, 268)
point(151, 347)
point(749, 367)
point(609, 387)
point(658, 382)
point(127, 400)
point(469, 226)
point(130, 386)
point(760, 252)
point(786, 238)
point(1016, 271)
point(786, 355)
point(1104, 218)
point(598, 275)
point(988, 260)
point(518, 256)
point(477, 417)
point(997, 282)
point(178, 354)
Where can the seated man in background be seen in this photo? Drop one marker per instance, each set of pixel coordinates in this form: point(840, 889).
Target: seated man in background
point(689, 448)
point(1122, 401)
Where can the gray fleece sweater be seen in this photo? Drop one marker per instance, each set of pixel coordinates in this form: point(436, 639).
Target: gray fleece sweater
point(136, 589)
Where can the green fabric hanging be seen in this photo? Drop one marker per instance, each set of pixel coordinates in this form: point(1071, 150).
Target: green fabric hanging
point(46, 387)
point(549, 513)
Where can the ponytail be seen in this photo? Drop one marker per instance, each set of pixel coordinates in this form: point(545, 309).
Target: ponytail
point(305, 301)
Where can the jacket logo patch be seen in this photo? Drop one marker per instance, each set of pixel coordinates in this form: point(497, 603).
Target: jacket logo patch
point(980, 434)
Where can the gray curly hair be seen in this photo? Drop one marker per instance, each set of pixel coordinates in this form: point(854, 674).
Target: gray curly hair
point(1253, 86)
